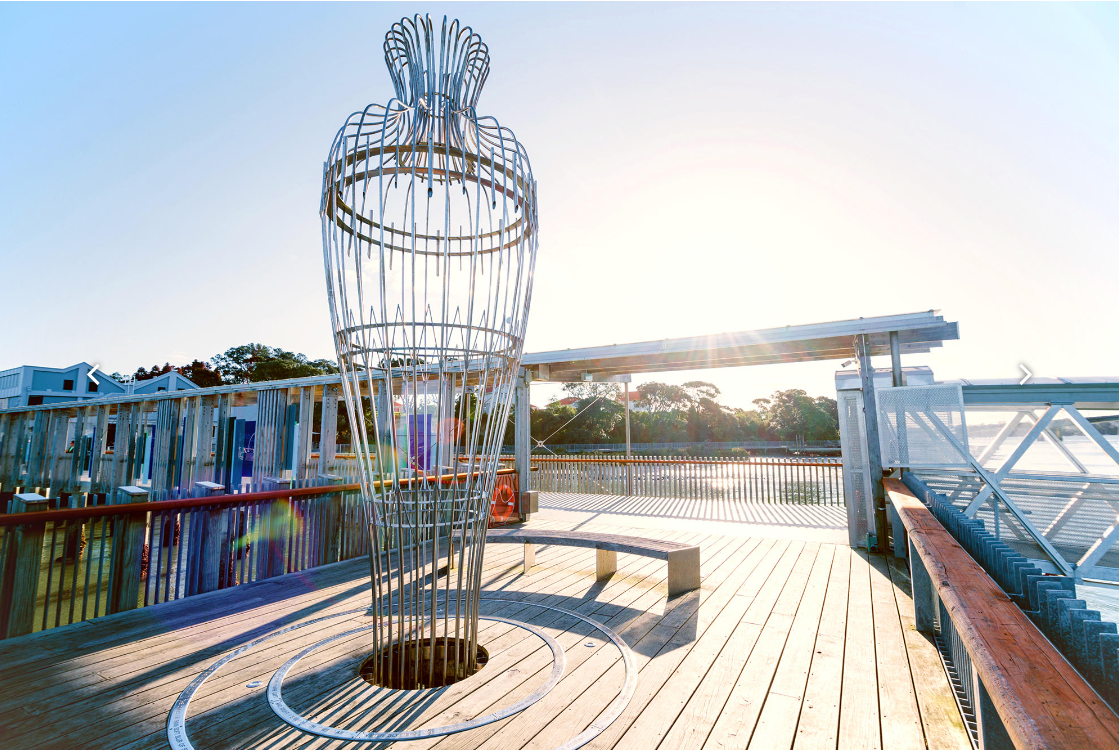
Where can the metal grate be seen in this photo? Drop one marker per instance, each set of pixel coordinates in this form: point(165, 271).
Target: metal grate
point(922, 425)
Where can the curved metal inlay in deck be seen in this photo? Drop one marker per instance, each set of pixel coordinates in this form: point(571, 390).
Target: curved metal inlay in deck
point(176, 722)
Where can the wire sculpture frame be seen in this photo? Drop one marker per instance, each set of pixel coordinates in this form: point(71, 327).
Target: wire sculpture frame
point(429, 242)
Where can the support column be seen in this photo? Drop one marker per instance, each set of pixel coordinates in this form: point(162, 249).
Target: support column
point(895, 358)
point(629, 455)
point(874, 446)
point(20, 583)
point(522, 431)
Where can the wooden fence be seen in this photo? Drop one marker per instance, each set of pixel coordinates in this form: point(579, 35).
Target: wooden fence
point(807, 481)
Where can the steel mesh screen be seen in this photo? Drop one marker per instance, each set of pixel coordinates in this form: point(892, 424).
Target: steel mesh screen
point(852, 435)
point(917, 426)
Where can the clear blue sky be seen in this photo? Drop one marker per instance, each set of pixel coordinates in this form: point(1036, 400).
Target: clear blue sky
point(702, 168)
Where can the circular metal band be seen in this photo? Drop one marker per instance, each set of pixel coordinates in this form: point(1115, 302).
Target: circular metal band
point(176, 721)
point(281, 709)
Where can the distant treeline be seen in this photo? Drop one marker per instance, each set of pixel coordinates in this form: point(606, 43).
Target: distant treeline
point(681, 413)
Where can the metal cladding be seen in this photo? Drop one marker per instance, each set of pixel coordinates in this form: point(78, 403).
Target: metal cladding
point(429, 241)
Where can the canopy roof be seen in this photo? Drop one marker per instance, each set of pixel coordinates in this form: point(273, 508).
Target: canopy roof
point(917, 332)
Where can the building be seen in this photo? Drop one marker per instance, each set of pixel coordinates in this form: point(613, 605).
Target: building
point(31, 385)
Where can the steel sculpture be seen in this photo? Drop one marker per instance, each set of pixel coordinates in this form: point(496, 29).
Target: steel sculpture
point(429, 241)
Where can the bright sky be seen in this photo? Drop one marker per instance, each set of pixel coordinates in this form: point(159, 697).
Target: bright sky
point(702, 168)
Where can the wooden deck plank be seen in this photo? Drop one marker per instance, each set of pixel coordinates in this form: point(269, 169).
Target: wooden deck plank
point(674, 637)
point(944, 727)
point(818, 724)
point(260, 725)
point(209, 699)
point(898, 716)
point(591, 703)
point(752, 650)
point(769, 652)
point(657, 719)
point(777, 719)
point(623, 595)
point(858, 708)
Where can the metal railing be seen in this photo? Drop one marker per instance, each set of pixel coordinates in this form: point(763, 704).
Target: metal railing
point(646, 448)
point(805, 481)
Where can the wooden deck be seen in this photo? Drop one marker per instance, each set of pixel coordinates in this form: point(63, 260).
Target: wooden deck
point(788, 644)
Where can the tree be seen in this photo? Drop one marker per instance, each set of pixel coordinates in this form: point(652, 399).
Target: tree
point(662, 397)
point(585, 390)
point(698, 390)
point(793, 413)
point(155, 372)
point(257, 363)
point(199, 373)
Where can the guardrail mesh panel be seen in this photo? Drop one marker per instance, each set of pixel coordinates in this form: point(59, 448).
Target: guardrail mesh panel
point(914, 423)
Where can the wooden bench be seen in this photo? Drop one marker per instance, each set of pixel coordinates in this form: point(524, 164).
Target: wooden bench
point(683, 559)
point(1027, 695)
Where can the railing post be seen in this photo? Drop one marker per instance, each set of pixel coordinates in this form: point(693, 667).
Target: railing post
point(210, 565)
point(924, 594)
point(332, 523)
point(992, 732)
point(900, 544)
point(274, 523)
point(128, 552)
point(20, 584)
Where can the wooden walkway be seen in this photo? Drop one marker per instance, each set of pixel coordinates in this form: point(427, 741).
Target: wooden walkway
point(788, 644)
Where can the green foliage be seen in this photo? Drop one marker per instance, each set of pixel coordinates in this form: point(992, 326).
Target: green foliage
point(200, 374)
point(257, 363)
point(155, 372)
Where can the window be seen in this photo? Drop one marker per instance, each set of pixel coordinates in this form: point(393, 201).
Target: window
point(160, 389)
point(34, 400)
point(67, 385)
point(91, 387)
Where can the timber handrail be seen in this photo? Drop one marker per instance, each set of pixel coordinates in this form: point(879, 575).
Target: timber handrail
point(99, 511)
point(1041, 700)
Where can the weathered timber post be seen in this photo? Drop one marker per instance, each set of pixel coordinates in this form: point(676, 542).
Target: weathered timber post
point(128, 552)
point(274, 523)
point(75, 530)
point(332, 520)
point(522, 430)
point(212, 550)
point(924, 593)
point(874, 447)
point(20, 584)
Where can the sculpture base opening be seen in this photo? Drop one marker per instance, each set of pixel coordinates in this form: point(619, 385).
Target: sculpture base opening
point(421, 665)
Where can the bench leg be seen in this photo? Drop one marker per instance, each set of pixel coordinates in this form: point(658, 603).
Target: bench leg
point(530, 556)
point(683, 571)
point(606, 563)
